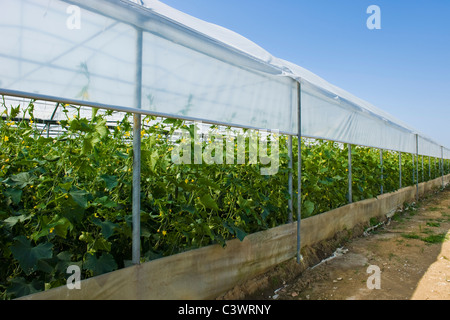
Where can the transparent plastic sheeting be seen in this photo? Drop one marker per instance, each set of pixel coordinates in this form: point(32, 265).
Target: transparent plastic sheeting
point(191, 69)
point(98, 63)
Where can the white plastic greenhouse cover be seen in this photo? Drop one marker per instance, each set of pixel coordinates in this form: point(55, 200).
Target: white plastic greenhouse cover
point(158, 60)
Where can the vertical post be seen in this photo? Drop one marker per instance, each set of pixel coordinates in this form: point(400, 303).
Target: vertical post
point(417, 167)
point(136, 189)
point(350, 191)
point(381, 162)
point(53, 115)
point(442, 166)
point(400, 169)
point(290, 206)
point(414, 168)
point(429, 167)
point(438, 160)
point(434, 171)
point(299, 183)
point(423, 173)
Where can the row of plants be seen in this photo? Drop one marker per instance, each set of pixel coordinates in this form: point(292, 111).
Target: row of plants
point(66, 200)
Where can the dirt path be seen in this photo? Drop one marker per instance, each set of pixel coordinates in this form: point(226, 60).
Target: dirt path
point(412, 252)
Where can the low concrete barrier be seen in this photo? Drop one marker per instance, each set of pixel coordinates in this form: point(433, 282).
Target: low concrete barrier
point(209, 272)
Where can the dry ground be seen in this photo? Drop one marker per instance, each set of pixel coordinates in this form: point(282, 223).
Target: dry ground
point(412, 251)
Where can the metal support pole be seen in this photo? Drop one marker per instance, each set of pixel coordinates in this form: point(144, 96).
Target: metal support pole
point(417, 167)
point(136, 189)
point(434, 172)
point(442, 166)
point(400, 169)
point(423, 173)
point(381, 162)
point(429, 167)
point(414, 168)
point(290, 203)
point(51, 118)
point(299, 183)
point(350, 191)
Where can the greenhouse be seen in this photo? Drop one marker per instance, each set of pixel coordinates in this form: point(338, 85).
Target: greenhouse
point(97, 97)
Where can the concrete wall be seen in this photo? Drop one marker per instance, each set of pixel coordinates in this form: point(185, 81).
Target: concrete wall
point(208, 272)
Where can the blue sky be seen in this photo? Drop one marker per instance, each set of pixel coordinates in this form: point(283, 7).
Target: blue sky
point(403, 68)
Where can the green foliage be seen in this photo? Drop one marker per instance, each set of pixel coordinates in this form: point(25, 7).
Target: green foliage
point(67, 200)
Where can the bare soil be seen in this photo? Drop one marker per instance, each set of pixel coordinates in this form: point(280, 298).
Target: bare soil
point(411, 249)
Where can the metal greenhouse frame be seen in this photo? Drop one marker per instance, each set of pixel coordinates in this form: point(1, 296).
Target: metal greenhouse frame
point(124, 53)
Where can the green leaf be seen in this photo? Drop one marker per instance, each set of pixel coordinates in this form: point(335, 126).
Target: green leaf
point(65, 186)
point(100, 265)
point(323, 170)
point(151, 157)
point(14, 111)
point(326, 182)
point(45, 266)
point(19, 287)
point(309, 207)
point(61, 226)
point(246, 205)
point(101, 129)
point(105, 201)
point(27, 255)
point(80, 197)
point(51, 158)
point(209, 202)
point(170, 121)
point(14, 194)
point(190, 209)
point(80, 125)
point(240, 234)
point(209, 183)
point(121, 155)
point(101, 244)
point(12, 221)
point(265, 214)
point(22, 179)
point(108, 227)
point(111, 181)
point(64, 256)
point(88, 143)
